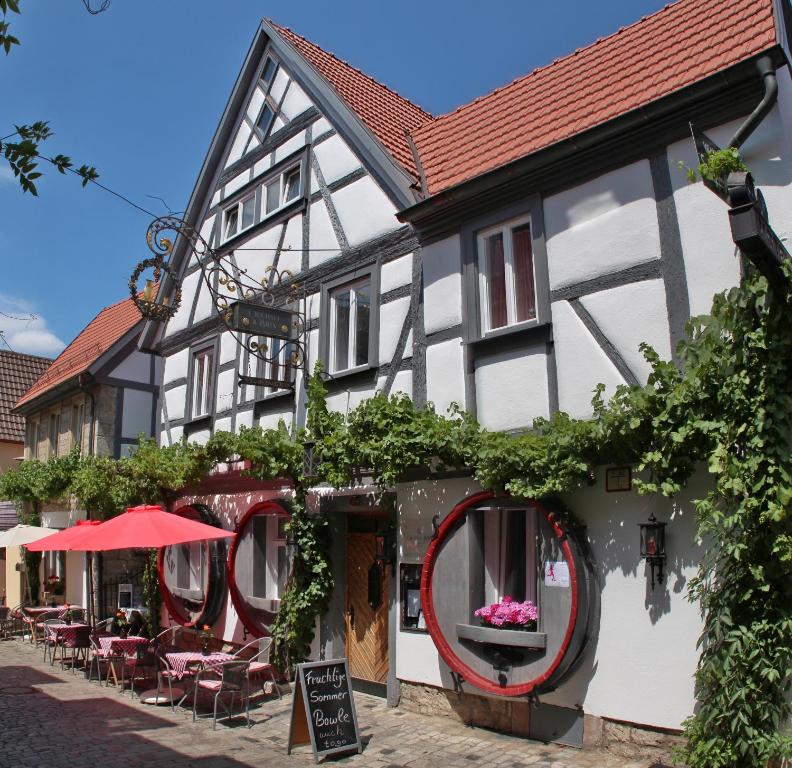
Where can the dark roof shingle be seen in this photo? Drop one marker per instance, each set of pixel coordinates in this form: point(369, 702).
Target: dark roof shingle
point(17, 374)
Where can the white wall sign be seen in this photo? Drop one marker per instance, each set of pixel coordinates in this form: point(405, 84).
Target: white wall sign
point(557, 574)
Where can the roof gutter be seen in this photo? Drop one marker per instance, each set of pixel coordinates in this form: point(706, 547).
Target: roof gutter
point(767, 71)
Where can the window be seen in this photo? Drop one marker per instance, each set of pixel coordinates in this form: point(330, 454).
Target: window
point(190, 569)
point(282, 189)
point(510, 546)
point(78, 417)
point(280, 368)
point(269, 109)
point(30, 439)
point(202, 382)
point(54, 572)
point(350, 319)
point(239, 217)
point(269, 556)
point(54, 431)
point(41, 439)
point(507, 283)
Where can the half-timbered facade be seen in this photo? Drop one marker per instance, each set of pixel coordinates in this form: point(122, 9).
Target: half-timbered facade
point(508, 257)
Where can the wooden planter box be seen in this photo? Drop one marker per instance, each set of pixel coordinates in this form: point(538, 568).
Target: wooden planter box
point(516, 638)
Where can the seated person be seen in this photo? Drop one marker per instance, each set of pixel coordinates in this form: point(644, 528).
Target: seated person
point(137, 623)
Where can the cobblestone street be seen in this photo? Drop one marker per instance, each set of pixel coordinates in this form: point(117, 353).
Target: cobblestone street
point(55, 719)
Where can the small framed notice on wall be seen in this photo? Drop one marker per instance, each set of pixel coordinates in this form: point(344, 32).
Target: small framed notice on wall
point(618, 479)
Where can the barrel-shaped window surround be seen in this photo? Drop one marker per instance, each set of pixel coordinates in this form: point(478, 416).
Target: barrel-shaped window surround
point(490, 548)
point(192, 576)
point(258, 566)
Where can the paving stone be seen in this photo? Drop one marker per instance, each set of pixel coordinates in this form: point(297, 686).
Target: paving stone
point(56, 719)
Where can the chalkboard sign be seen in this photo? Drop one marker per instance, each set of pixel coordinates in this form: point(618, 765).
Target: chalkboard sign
point(323, 710)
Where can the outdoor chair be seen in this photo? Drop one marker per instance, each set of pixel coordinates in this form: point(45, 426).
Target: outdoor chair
point(168, 638)
point(50, 639)
point(229, 678)
point(166, 673)
point(79, 643)
point(260, 666)
point(98, 655)
point(6, 622)
point(141, 666)
point(78, 615)
point(15, 617)
point(38, 622)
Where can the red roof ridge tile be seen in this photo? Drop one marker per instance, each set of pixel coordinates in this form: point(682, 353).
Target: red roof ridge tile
point(281, 27)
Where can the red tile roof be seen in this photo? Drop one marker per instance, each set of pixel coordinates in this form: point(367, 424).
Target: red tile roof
point(17, 374)
point(89, 345)
point(684, 42)
point(386, 114)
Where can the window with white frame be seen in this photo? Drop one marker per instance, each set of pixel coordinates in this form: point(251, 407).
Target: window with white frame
point(202, 382)
point(350, 322)
point(269, 556)
point(269, 109)
point(510, 553)
point(282, 189)
point(239, 217)
point(279, 368)
point(189, 569)
point(507, 282)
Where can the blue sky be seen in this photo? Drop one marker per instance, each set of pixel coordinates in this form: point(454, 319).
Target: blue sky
point(137, 92)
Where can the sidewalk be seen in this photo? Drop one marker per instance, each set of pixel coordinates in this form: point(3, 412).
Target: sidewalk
point(54, 719)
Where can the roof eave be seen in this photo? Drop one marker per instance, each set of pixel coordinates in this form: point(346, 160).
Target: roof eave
point(695, 102)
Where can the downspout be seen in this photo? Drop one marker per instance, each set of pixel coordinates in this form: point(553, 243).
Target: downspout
point(767, 71)
point(93, 562)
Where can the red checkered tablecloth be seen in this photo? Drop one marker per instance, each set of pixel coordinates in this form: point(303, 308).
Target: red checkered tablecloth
point(181, 660)
point(65, 632)
point(121, 645)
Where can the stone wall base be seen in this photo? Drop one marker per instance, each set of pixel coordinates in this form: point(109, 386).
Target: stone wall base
point(629, 740)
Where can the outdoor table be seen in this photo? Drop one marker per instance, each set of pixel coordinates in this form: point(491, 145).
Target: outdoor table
point(65, 632)
point(115, 646)
point(180, 660)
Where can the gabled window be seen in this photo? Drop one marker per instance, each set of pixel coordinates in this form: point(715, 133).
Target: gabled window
point(239, 216)
point(281, 190)
point(507, 281)
point(350, 320)
point(202, 382)
point(269, 108)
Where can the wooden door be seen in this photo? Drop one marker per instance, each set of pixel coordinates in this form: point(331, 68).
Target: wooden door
point(366, 610)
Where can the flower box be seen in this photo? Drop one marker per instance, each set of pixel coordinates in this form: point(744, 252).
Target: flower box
point(517, 638)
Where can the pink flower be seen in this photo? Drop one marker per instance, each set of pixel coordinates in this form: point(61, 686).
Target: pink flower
point(509, 613)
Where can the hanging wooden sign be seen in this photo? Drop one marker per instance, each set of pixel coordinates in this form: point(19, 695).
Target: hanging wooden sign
point(323, 710)
point(259, 320)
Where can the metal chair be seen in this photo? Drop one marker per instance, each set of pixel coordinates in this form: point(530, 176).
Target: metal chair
point(98, 654)
point(167, 638)
point(260, 665)
point(38, 622)
point(230, 677)
point(6, 622)
point(168, 674)
point(79, 643)
point(51, 640)
point(143, 661)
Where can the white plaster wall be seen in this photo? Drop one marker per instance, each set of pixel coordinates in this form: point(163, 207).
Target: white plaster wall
point(175, 402)
point(445, 379)
point(511, 389)
point(254, 106)
point(322, 125)
point(204, 307)
point(291, 255)
point(75, 579)
point(136, 367)
point(182, 317)
point(396, 273)
point(442, 273)
point(602, 226)
point(222, 425)
point(289, 147)
point(256, 261)
point(226, 385)
point(348, 399)
point(271, 420)
point(176, 366)
point(335, 159)
point(632, 314)
point(321, 235)
point(262, 165)
point(364, 210)
point(238, 147)
point(238, 181)
point(392, 317)
point(228, 347)
point(580, 363)
point(402, 382)
point(244, 419)
point(279, 84)
point(296, 102)
point(136, 416)
point(176, 434)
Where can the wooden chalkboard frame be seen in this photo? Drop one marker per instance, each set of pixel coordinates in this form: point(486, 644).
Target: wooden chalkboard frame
point(301, 730)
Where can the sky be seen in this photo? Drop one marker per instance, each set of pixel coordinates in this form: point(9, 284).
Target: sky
point(137, 92)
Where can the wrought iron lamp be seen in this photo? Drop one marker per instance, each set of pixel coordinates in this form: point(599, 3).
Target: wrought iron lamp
point(653, 547)
point(149, 304)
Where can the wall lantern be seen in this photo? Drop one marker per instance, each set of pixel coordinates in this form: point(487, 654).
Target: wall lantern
point(653, 546)
point(385, 549)
point(292, 547)
point(310, 460)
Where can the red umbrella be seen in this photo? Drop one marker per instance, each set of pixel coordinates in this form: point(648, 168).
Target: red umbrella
point(146, 526)
point(63, 539)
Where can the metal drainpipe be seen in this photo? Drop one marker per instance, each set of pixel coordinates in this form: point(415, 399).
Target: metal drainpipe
point(92, 562)
point(767, 71)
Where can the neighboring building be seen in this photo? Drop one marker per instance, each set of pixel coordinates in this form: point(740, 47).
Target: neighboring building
point(98, 396)
point(548, 231)
point(17, 373)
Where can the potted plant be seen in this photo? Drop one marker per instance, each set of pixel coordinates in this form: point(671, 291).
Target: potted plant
point(509, 614)
point(121, 623)
point(205, 633)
